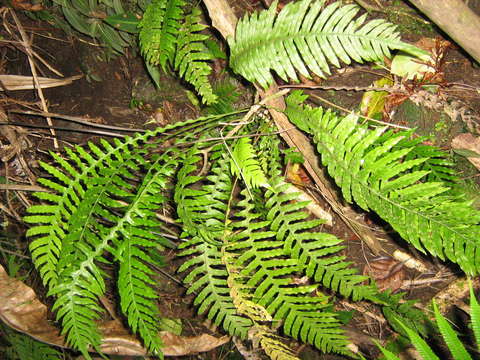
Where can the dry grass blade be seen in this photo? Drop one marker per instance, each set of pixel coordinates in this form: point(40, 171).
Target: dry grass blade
point(21, 82)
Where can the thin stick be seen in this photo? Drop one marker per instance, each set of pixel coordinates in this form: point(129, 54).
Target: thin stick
point(19, 187)
point(14, 253)
point(362, 116)
point(30, 57)
point(76, 119)
point(95, 132)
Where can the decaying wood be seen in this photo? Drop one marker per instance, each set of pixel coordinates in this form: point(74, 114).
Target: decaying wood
point(222, 16)
point(457, 20)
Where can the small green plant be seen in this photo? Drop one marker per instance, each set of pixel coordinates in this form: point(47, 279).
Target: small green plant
point(456, 347)
point(254, 259)
point(171, 38)
point(23, 347)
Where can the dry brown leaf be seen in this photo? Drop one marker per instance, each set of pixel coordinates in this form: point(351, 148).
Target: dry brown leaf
point(469, 142)
point(21, 310)
point(25, 5)
point(387, 272)
point(21, 82)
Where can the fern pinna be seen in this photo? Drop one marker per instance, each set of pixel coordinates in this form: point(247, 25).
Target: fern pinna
point(171, 38)
point(371, 168)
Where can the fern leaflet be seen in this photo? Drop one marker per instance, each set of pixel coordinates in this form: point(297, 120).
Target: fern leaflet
point(191, 57)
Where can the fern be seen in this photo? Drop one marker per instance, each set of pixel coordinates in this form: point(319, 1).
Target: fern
point(191, 57)
point(315, 251)
point(23, 347)
point(370, 168)
point(138, 300)
point(104, 201)
point(245, 164)
point(159, 29)
point(269, 271)
point(203, 214)
point(169, 38)
point(307, 35)
point(456, 347)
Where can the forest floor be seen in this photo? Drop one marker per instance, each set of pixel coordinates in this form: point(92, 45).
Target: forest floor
point(116, 92)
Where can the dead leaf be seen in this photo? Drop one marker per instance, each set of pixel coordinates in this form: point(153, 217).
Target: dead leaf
point(469, 142)
point(25, 5)
point(387, 272)
point(21, 82)
point(21, 310)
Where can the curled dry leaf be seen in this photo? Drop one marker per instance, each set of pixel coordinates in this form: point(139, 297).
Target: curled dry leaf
point(387, 272)
point(21, 310)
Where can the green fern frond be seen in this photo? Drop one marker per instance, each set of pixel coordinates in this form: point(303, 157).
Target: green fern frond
point(191, 57)
point(395, 308)
point(208, 279)
point(137, 298)
point(159, 26)
point(68, 191)
point(270, 272)
point(68, 188)
point(315, 251)
point(204, 215)
point(475, 314)
point(457, 349)
point(98, 202)
point(245, 164)
point(306, 36)
point(23, 347)
point(370, 168)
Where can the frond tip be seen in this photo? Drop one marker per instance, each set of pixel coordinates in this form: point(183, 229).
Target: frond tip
point(306, 36)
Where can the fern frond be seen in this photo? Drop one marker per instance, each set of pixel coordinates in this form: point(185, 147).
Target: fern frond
point(395, 308)
point(191, 57)
point(137, 298)
point(245, 164)
point(306, 36)
point(159, 29)
point(269, 271)
point(98, 201)
point(457, 349)
point(370, 168)
point(208, 279)
point(272, 344)
point(68, 188)
point(204, 215)
point(68, 191)
point(23, 347)
point(315, 251)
